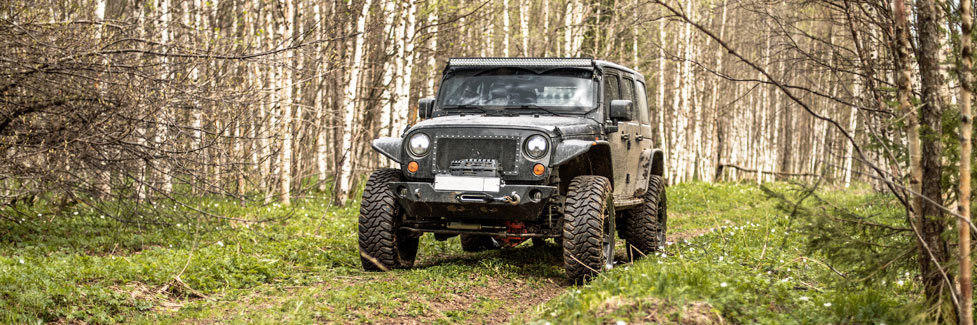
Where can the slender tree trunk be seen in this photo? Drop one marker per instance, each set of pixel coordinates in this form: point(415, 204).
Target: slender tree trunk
point(349, 111)
point(285, 168)
point(505, 28)
point(966, 130)
point(524, 26)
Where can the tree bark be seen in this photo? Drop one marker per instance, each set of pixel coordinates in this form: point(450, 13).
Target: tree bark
point(931, 221)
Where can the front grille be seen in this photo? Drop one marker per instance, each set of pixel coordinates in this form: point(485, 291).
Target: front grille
point(452, 149)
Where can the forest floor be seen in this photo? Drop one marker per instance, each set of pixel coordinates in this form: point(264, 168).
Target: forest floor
point(736, 257)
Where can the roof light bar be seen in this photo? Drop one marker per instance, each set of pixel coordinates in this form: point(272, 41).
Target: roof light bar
point(521, 62)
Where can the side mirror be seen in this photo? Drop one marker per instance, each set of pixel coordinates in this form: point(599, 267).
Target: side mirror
point(622, 110)
point(424, 108)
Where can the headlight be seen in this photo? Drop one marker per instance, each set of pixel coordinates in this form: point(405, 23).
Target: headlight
point(419, 144)
point(536, 146)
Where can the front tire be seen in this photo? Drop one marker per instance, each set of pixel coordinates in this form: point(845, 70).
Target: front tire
point(646, 223)
point(382, 245)
point(588, 228)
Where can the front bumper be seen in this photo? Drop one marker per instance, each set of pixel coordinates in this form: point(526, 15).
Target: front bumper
point(512, 202)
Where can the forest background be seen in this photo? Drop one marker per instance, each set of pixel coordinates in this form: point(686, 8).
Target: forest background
point(149, 103)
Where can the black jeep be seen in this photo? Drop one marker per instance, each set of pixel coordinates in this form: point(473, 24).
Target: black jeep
point(517, 149)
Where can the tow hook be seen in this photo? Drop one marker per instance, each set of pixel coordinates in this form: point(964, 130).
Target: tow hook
point(511, 198)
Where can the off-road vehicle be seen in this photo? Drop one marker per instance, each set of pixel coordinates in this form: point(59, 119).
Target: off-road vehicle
point(522, 148)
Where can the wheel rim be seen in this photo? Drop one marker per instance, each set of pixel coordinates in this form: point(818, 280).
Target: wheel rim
point(662, 220)
point(608, 240)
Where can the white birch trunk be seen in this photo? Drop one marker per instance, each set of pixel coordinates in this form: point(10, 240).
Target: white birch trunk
point(402, 94)
point(432, 63)
point(320, 143)
point(505, 28)
point(165, 179)
point(391, 68)
point(349, 111)
point(568, 29)
point(524, 25)
point(546, 27)
point(660, 100)
point(285, 176)
point(850, 152)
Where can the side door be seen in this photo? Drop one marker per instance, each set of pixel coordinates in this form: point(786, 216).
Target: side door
point(632, 137)
point(617, 140)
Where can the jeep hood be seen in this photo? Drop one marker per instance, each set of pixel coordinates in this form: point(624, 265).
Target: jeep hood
point(552, 125)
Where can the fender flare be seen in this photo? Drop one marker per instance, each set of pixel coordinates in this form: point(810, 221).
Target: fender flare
point(389, 147)
point(652, 162)
point(569, 149)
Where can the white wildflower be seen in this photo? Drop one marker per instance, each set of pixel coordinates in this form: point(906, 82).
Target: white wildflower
point(76, 213)
point(804, 298)
point(103, 216)
point(827, 304)
point(621, 322)
point(900, 282)
point(723, 285)
point(220, 243)
point(720, 258)
point(21, 261)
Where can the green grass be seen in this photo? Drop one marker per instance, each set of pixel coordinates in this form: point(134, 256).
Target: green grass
point(303, 266)
point(751, 264)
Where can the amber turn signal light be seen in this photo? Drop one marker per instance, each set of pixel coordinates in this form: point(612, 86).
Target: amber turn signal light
point(412, 167)
point(539, 169)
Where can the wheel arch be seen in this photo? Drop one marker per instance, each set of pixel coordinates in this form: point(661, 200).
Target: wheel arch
point(596, 160)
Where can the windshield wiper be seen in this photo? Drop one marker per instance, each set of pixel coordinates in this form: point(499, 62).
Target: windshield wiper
point(534, 106)
point(468, 106)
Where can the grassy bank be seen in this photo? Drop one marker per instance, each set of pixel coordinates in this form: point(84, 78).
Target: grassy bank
point(736, 257)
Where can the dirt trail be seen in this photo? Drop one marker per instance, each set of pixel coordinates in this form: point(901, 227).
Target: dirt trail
point(515, 296)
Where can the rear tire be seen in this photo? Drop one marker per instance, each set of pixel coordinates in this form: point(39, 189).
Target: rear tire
point(382, 245)
point(588, 228)
point(646, 224)
point(477, 243)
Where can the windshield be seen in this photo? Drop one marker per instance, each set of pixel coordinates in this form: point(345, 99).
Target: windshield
point(519, 88)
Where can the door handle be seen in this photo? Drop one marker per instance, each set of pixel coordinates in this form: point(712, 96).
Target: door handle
point(625, 137)
point(639, 138)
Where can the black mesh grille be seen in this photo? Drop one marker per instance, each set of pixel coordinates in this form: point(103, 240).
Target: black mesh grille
point(502, 150)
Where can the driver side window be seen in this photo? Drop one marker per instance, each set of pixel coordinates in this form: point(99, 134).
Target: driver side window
point(612, 91)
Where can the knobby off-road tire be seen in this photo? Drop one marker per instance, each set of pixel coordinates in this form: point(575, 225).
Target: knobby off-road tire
point(380, 240)
point(588, 227)
point(646, 223)
point(477, 243)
